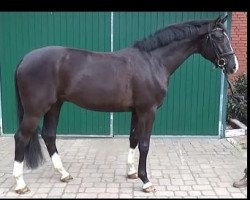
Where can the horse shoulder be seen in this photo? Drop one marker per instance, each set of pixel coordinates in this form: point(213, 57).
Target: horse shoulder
point(160, 80)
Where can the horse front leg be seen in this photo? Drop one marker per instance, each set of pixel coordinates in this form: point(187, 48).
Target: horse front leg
point(146, 120)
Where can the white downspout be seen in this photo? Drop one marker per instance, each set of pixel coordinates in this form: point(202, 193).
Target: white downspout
point(1, 121)
point(221, 131)
point(112, 47)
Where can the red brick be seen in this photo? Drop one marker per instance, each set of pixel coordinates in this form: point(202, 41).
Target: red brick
point(239, 40)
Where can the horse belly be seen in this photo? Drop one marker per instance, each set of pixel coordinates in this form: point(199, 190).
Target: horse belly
point(98, 95)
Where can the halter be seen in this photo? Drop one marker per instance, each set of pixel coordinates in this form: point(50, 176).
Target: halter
point(221, 60)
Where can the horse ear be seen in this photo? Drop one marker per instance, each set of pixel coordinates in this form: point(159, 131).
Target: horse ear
point(224, 19)
point(221, 20)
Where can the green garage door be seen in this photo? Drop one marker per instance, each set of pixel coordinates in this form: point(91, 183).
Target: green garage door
point(20, 32)
point(193, 100)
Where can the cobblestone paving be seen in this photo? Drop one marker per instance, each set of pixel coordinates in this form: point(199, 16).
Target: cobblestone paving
point(178, 167)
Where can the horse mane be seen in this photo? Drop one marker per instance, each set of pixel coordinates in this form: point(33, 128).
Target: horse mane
point(169, 34)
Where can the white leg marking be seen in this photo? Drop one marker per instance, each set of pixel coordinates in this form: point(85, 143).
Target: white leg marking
point(131, 159)
point(58, 165)
point(146, 185)
point(18, 174)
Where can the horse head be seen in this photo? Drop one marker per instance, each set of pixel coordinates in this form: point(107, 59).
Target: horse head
point(216, 46)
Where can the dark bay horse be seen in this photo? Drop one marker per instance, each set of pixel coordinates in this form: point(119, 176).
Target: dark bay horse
point(133, 79)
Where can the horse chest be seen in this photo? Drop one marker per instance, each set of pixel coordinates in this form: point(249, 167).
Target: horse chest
point(150, 93)
point(160, 95)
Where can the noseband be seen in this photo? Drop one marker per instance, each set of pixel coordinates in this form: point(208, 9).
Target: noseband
point(221, 60)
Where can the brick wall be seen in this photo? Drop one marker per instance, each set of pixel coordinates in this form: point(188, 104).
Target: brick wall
point(239, 40)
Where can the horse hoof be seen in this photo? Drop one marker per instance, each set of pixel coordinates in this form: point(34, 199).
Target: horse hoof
point(67, 178)
point(149, 189)
point(23, 190)
point(132, 176)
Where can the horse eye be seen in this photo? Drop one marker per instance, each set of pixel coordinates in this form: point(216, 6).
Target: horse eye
point(218, 35)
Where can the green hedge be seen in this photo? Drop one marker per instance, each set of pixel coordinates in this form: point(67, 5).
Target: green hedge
point(237, 104)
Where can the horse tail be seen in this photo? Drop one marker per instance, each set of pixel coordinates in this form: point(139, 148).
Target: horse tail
point(18, 100)
point(33, 153)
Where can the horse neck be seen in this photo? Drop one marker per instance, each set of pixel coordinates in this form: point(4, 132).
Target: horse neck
point(175, 53)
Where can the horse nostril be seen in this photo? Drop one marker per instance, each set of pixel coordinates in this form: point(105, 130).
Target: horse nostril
point(234, 67)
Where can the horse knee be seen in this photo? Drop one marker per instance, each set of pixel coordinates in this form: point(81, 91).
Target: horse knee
point(144, 147)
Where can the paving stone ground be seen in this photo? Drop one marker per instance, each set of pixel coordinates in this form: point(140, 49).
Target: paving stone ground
point(178, 167)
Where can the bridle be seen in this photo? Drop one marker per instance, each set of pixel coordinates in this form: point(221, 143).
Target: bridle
point(221, 57)
point(221, 60)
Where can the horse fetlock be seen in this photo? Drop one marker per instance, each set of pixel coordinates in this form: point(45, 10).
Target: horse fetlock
point(58, 165)
point(132, 172)
point(20, 184)
point(22, 190)
point(67, 178)
point(131, 169)
point(132, 176)
point(148, 187)
point(63, 172)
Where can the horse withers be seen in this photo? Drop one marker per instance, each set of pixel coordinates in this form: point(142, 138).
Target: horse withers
point(132, 79)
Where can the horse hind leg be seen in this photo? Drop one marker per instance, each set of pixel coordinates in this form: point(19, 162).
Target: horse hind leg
point(26, 145)
point(133, 139)
point(49, 136)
